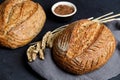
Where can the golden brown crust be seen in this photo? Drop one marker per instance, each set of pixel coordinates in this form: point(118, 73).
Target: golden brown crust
point(20, 22)
point(83, 47)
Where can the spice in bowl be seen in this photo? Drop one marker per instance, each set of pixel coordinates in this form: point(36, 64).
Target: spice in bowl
point(64, 10)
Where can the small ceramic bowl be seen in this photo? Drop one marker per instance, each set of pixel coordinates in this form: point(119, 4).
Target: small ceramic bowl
point(66, 16)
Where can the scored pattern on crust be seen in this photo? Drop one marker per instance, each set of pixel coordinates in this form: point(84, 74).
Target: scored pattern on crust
point(88, 48)
point(20, 22)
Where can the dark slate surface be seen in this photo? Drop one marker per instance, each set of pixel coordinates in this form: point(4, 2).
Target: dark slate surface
point(13, 64)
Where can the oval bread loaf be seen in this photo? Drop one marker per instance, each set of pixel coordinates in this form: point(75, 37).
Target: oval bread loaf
point(20, 22)
point(83, 46)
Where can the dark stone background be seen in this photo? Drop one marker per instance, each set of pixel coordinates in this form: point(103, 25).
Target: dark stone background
point(13, 63)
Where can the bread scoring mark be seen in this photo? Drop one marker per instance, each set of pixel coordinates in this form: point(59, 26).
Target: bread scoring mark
point(84, 39)
point(21, 18)
point(63, 39)
point(12, 20)
point(86, 65)
point(77, 61)
point(22, 21)
point(61, 44)
point(8, 7)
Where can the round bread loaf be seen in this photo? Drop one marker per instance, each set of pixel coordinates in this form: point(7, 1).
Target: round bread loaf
point(83, 46)
point(20, 22)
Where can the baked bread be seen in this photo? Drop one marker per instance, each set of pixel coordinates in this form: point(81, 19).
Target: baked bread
point(83, 46)
point(20, 22)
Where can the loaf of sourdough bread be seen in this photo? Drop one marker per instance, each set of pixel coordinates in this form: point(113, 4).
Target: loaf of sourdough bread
point(83, 46)
point(20, 22)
